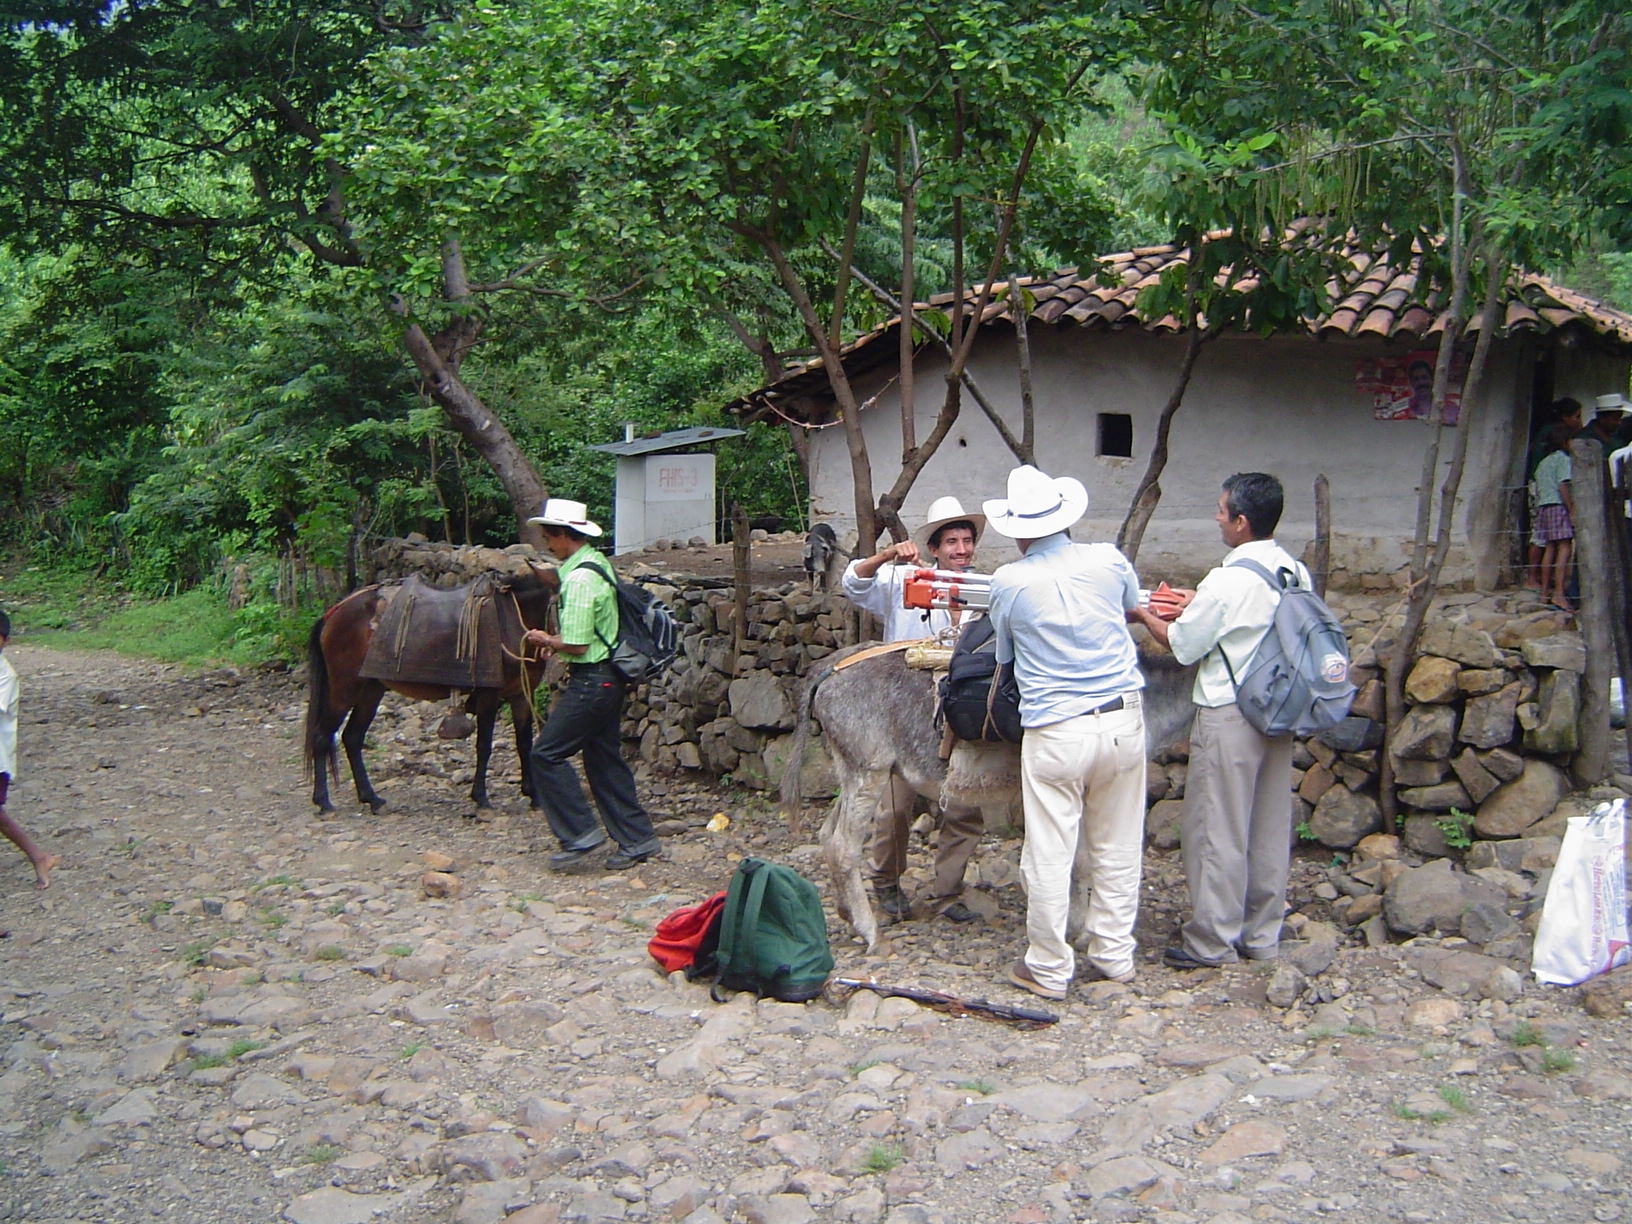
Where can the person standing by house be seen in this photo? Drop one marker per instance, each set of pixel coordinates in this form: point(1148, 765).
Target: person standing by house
point(9, 699)
point(1566, 412)
point(588, 713)
point(874, 584)
point(1555, 518)
point(1604, 425)
point(1236, 828)
point(1059, 614)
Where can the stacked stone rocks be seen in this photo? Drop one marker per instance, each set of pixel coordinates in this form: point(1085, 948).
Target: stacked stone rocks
point(1493, 703)
point(733, 715)
point(443, 564)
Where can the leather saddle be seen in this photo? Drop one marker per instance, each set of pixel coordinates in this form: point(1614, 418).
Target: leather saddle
point(450, 637)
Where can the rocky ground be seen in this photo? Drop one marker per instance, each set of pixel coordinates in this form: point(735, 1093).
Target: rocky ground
point(226, 1009)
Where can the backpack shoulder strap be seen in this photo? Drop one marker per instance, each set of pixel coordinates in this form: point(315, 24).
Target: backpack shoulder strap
point(611, 582)
point(1280, 579)
point(741, 925)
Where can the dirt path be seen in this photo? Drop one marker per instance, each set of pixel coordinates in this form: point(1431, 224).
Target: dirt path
point(228, 1010)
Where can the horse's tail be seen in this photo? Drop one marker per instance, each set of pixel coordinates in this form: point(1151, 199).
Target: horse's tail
point(317, 701)
point(792, 772)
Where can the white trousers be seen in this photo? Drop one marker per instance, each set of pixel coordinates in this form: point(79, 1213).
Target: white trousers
point(1083, 780)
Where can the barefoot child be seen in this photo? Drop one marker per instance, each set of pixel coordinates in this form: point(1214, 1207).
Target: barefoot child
point(42, 861)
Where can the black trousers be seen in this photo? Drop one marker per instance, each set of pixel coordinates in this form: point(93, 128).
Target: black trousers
point(585, 718)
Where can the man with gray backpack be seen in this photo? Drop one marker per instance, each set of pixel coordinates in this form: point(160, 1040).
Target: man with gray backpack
point(1272, 662)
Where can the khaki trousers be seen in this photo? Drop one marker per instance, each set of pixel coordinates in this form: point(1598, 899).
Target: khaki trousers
point(1083, 778)
point(960, 832)
point(1236, 834)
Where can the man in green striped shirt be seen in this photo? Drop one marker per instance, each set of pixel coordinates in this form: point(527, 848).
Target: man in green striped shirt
point(588, 713)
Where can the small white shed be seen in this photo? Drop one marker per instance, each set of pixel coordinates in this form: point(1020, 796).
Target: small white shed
point(664, 491)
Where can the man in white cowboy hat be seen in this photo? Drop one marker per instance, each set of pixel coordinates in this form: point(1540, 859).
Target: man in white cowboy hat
point(874, 583)
point(1603, 426)
point(1060, 615)
point(586, 716)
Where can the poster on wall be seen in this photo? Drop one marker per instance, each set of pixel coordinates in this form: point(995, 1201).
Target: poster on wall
point(1402, 387)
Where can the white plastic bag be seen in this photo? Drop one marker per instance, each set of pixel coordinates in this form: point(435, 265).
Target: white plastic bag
point(1583, 923)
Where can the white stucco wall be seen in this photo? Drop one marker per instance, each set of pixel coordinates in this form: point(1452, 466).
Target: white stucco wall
point(1286, 405)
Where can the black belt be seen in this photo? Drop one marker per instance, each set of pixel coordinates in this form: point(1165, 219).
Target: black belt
point(1110, 707)
point(601, 665)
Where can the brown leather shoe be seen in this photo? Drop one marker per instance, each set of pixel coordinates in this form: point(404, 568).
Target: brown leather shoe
point(1020, 975)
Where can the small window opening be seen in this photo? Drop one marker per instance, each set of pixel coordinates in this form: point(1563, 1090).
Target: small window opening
point(1116, 434)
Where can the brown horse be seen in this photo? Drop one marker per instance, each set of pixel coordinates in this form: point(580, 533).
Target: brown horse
point(337, 691)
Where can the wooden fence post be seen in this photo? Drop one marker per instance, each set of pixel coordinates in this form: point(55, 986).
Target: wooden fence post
point(740, 571)
point(1595, 612)
point(1323, 534)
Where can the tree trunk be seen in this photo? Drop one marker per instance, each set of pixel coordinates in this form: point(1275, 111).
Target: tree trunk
point(437, 361)
point(1422, 590)
point(1149, 493)
point(861, 466)
point(1027, 452)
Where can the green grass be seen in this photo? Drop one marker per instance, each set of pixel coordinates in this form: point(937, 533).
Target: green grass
point(155, 908)
point(1453, 1096)
point(978, 1086)
point(1457, 829)
point(1360, 1030)
point(206, 1062)
point(1526, 1034)
point(1554, 1061)
point(244, 1045)
point(1432, 1116)
point(278, 881)
point(320, 1153)
point(335, 908)
point(399, 950)
point(330, 952)
point(272, 920)
point(70, 607)
point(195, 952)
point(859, 1067)
point(412, 1048)
point(1316, 1033)
point(883, 1157)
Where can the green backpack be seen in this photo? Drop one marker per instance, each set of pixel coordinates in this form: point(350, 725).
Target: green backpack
point(773, 937)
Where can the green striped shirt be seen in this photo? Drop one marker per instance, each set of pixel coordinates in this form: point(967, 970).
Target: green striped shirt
point(589, 606)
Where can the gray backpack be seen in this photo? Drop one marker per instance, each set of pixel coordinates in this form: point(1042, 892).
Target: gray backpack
point(1297, 681)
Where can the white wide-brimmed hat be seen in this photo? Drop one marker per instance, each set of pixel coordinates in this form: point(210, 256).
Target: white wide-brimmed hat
point(561, 512)
point(1613, 402)
point(1037, 505)
point(944, 510)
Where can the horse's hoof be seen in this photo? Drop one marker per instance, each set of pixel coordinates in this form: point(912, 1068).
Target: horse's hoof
point(376, 806)
point(881, 948)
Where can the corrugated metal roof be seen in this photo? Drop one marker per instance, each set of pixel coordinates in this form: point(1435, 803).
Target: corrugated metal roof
point(1376, 301)
point(674, 439)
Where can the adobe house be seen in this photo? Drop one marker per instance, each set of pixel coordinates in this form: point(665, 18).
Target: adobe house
point(1336, 399)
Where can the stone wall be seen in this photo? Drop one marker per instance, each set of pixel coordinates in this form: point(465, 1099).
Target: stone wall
point(1493, 703)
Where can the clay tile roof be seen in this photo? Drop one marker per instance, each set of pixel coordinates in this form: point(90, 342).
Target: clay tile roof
point(1374, 301)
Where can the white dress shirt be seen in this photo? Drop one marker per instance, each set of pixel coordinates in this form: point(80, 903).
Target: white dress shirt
point(881, 595)
point(1059, 615)
point(1232, 610)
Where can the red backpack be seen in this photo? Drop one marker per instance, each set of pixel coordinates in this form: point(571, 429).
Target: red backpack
point(688, 938)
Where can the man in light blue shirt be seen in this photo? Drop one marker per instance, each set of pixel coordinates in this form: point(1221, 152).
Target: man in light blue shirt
point(1060, 615)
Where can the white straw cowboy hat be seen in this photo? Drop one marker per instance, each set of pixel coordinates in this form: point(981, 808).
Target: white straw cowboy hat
point(1613, 402)
point(944, 510)
point(1037, 505)
point(560, 512)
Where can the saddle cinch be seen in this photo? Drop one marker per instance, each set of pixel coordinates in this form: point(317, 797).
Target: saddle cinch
point(449, 637)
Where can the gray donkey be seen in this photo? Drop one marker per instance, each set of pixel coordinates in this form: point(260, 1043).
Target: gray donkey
point(878, 714)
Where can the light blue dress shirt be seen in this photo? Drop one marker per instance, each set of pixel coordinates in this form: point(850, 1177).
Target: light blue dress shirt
point(1059, 617)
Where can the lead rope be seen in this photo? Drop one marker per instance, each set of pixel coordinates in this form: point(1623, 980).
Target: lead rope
point(524, 658)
